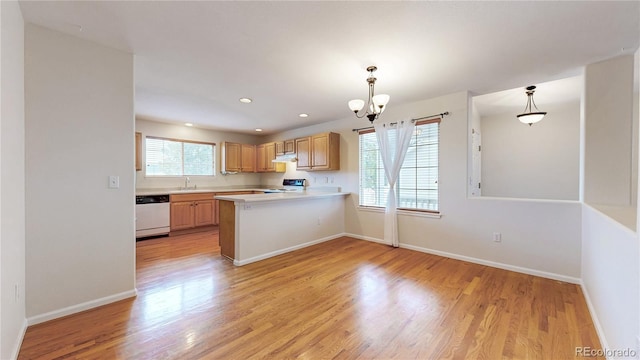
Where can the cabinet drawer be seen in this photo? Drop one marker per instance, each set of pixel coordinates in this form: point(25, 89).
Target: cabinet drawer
point(192, 197)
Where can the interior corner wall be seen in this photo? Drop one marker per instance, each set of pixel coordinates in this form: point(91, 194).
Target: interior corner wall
point(608, 128)
point(12, 188)
point(532, 162)
point(80, 234)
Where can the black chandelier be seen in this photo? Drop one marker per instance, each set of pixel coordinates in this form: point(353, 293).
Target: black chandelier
point(529, 116)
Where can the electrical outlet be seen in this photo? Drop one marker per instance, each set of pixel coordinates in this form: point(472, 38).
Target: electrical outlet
point(497, 237)
point(17, 293)
point(247, 207)
point(114, 182)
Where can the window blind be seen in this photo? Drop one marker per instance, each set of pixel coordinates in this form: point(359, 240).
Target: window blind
point(417, 185)
point(170, 157)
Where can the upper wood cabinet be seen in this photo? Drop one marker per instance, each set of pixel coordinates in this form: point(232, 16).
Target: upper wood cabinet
point(248, 158)
point(265, 153)
point(303, 148)
point(261, 160)
point(231, 157)
point(238, 157)
point(289, 146)
point(319, 152)
point(270, 155)
point(285, 147)
point(138, 151)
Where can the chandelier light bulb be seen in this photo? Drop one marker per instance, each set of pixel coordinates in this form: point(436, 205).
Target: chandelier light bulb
point(356, 105)
point(380, 100)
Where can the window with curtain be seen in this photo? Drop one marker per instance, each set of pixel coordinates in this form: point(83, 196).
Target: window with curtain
point(417, 187)
point(170, 157)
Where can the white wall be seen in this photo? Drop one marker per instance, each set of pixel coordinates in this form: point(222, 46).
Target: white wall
point(608, 126)
point(175, 131)
point(12, 188)
point(610, 275)
point(529, 227)
point(536, 162)
point(79, 130)
point(474, 166)
point(610, 248)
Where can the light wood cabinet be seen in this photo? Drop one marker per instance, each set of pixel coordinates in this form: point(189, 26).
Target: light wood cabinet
point(318, 152)
point(182, 215)
point(253, 158)
point(204, 214)
point(289, 146)
point(303, 148)
point(269, 155)
point(285, 147)
point(227, 234)
point(138, 151)
point(192, 210)
point(261, 159)
point(238, 157)
point(248, 158)
point(231, 157)
point(265, 153)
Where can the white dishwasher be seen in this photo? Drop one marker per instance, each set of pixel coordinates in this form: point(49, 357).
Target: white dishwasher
point(152, 215)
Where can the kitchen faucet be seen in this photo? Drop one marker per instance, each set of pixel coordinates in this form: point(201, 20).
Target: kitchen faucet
point(186, 182)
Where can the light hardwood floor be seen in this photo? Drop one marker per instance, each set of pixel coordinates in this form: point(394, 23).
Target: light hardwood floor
point(344, 299)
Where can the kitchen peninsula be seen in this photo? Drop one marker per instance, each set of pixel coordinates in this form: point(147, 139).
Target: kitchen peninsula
point(259, 226)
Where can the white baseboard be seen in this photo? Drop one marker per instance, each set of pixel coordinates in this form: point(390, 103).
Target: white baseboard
point(81, 307)
point(594, 316)
point(367, 238)
point(285, 250)
point(493, 264)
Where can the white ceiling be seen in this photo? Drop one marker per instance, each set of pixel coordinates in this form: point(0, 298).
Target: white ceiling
point(194, 60)
point(546, 95)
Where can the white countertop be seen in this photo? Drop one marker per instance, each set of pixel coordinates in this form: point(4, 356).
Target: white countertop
point(286, 196)
point(143, 192)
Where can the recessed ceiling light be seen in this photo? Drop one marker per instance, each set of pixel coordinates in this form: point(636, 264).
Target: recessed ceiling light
point(188, 124)
point(258, 130)
point(245, 100)
point(303, 115)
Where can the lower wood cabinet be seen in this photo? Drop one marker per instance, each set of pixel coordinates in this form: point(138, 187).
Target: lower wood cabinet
point(227, 234)
point(192, 210)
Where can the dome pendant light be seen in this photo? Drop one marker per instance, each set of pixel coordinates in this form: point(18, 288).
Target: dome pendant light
point(528, 116)
point(375, 104)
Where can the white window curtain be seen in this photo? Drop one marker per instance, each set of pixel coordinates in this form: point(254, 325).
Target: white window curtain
point(393, 141)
